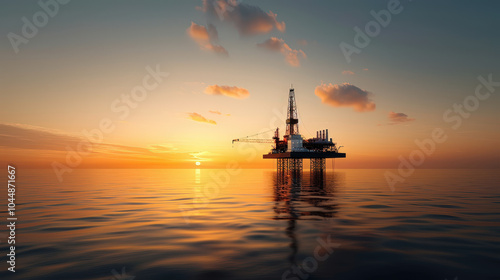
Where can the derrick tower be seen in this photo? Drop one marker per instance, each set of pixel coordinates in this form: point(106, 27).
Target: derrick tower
point(292, 119)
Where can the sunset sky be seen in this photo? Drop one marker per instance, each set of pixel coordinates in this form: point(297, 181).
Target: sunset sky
point(230, 65)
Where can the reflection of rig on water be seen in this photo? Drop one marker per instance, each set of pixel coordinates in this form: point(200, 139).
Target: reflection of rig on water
point(297, 199)
point(292, 149)
point(293, 195)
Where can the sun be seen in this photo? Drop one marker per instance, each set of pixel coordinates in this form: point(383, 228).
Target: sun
point(198, 163)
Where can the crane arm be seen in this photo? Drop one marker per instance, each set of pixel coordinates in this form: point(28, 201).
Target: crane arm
point(259, 141)
point(263, 141)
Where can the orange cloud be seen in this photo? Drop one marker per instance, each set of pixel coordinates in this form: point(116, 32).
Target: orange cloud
point(303, 42)
point(345, 95)
point(347, 72)
point(21, 136)
point(292, 56)
point(234, 92)
point(32, 146)
point(218, 113)
point(163, 148)
point(396, 118)
point(248, 19)
point(199, 118)
point(204, 37)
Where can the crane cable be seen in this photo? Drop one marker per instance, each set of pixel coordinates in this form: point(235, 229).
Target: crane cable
point(309, 135)
point(259, 133)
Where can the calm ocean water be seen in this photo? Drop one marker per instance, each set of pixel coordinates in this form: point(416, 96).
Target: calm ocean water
point(348, 224)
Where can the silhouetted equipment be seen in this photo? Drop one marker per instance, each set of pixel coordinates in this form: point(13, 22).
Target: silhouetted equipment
point(290, 151)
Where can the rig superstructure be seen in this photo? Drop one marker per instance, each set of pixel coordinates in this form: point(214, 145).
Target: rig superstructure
point(293, 148)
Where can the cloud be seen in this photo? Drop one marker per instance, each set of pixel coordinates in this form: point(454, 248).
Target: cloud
point(205, 38)
point(365, 69)
point(397, 118)
point(199, 118)
point(39, 147)
point(347, 72)
point(303, 42)
point(218, 113)
point(163, 148)
point(292, 56)
point(248, 19)
point(195, 156)
point(21, 136)
point(28, 137)
point(234, 92)
point(345, 95)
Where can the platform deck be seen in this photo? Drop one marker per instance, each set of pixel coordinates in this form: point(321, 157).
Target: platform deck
point(305, 155)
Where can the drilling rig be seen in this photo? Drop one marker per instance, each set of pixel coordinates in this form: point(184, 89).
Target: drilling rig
point(290, 151)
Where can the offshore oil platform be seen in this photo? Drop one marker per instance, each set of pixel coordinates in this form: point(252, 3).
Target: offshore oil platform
point(290, 151)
